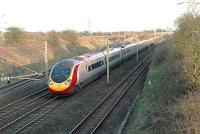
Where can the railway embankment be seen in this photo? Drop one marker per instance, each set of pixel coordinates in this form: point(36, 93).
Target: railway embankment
point(169, 102)
point(148, 102)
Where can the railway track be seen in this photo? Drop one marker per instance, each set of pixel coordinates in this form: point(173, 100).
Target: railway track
point(22, 113)
point(13, 114)
point(20, 102)
point(93, 120)
point(19, 83)
point(16, 118)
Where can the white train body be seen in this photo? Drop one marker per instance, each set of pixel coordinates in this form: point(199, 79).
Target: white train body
point(79, 71)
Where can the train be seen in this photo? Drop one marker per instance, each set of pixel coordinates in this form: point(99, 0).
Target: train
point(68, 76)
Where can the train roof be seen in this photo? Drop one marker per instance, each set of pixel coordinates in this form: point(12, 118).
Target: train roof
point(89, 56)
point(92, 56)
point(132, 44)
point(112, 50)
point(67, 62)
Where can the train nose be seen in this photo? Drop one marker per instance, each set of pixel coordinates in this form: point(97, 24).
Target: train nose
point(58, 86)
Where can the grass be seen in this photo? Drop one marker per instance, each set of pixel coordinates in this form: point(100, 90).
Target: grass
point(165, 106)
point(142, 120)
point(150, 100)
point(185, 114)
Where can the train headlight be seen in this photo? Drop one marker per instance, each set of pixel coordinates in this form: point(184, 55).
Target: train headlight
point(50, 82)
point(68, 82)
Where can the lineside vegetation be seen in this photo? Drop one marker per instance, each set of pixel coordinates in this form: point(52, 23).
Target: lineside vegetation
point(14, 35)
point(170, 101)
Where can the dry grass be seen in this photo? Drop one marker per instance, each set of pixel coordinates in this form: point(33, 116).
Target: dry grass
point(32, 49)
point(186, 114)
point(30, 52)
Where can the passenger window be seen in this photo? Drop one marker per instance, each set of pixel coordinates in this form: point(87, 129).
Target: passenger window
point(95, 65)
point(89, 68)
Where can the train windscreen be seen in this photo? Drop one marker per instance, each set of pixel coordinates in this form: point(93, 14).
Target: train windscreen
point(60, 73)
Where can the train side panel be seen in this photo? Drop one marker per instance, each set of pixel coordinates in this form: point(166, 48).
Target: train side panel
point(90, 70)
point(86, 68)
point(115, 58)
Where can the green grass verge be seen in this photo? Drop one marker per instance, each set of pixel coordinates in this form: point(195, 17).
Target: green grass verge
point(140, 122)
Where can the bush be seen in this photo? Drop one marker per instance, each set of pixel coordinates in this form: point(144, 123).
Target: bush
point(160, 53)
point(14, 35)
point(186, 47)
point(53, 38)
point(171, 103)
point(71, 36)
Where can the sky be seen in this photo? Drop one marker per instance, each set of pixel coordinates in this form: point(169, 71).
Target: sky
point(103, 15)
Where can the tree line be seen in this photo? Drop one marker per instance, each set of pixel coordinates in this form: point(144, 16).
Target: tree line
point(16, 35)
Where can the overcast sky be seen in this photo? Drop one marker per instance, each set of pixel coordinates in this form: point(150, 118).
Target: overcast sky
point(104, 15)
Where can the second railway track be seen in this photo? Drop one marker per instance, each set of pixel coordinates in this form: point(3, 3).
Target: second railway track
point(17, 114)
point(91, 122)
point(19, 83)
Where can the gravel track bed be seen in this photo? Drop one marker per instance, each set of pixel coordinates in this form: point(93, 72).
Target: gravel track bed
point(21, 103)
point(19, 83)
point(27, 113)
point(13, 85)
point(64, 118)
point(116, 117)
point(20, 92)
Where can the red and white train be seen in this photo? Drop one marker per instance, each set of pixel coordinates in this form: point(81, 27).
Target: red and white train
point(69, 75)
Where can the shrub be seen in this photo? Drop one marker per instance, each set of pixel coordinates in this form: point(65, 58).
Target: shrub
point(53, 38)
point(187, 49)
point(70, 36)
point(160, 53)
point(14, 35)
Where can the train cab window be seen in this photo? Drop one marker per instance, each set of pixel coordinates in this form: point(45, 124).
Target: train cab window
point(60, 74)
point(89, 68)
